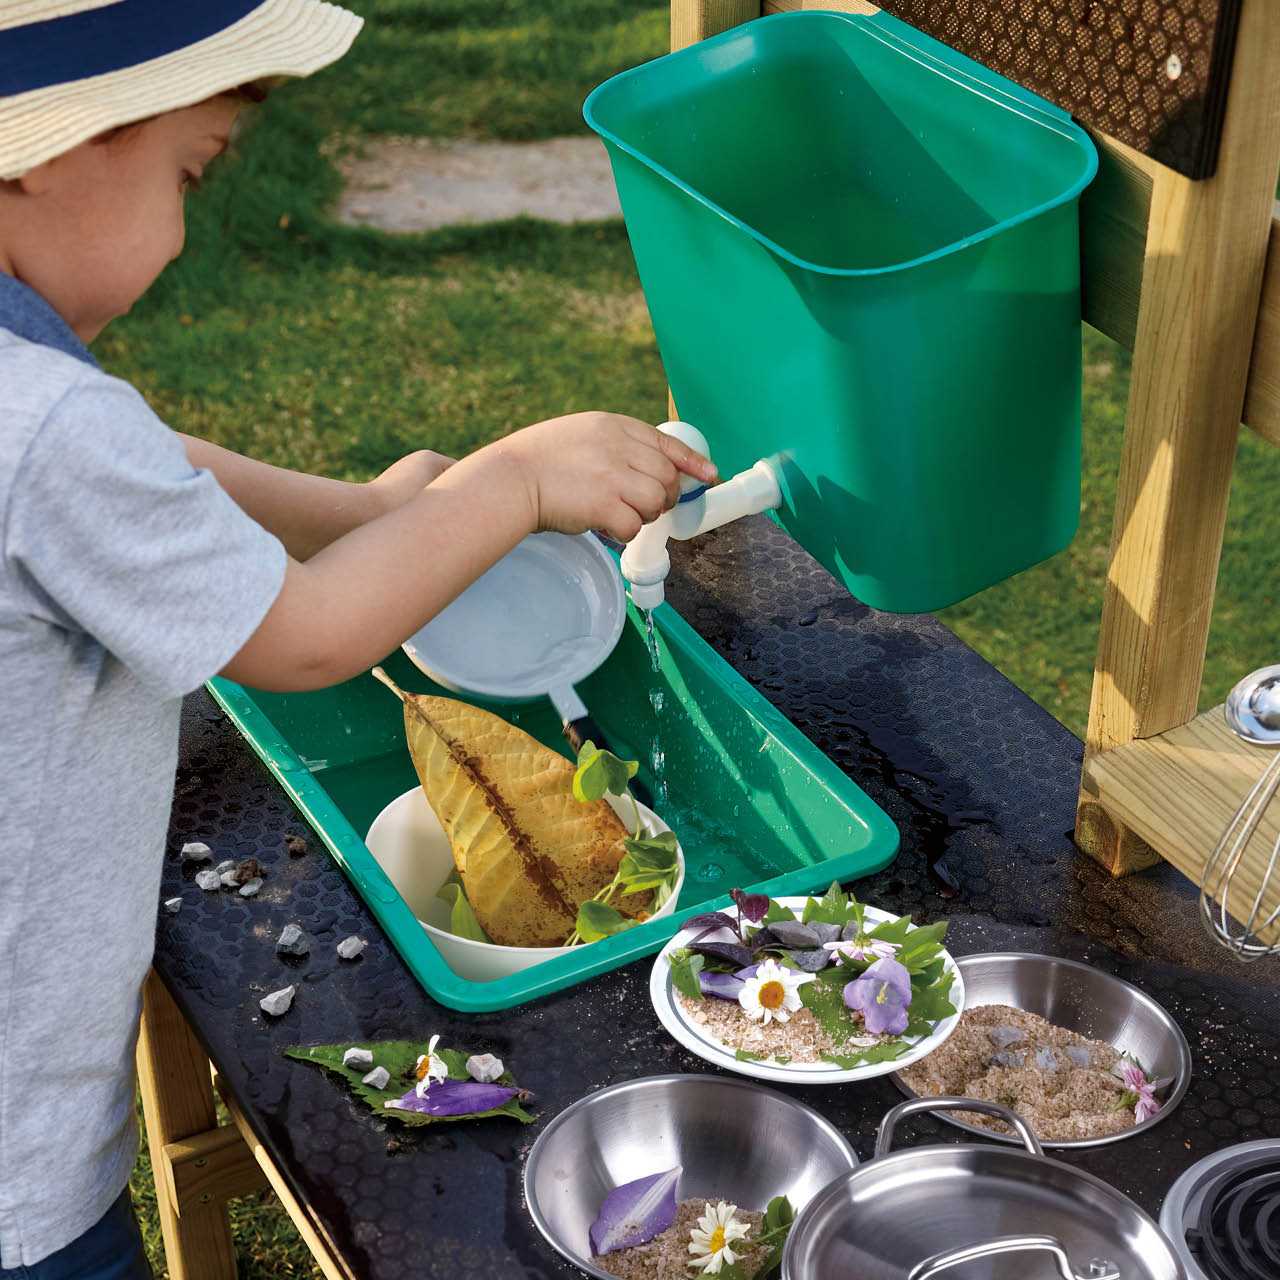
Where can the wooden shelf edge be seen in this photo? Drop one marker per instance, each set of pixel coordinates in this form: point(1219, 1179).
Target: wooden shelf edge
point(1178, 790)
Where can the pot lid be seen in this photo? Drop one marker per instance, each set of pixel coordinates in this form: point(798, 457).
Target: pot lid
point(959, 1212)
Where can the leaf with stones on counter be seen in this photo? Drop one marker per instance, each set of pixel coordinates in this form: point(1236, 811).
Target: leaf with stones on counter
point(400, 1058)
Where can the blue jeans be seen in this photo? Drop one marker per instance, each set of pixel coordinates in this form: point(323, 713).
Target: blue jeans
point(110, 1250)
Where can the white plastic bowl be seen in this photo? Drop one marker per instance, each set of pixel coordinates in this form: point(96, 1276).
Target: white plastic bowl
point(410, 845)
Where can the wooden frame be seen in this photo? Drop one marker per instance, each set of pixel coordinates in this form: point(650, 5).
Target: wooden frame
point(1186, 275)
point(198, 1164)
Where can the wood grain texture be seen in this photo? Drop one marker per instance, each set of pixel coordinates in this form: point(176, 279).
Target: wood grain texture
point(177, 1104)
point(1206, 250)
point(1179, 790)
point(694, 20)
point(1262, 402)
point(211, 1167)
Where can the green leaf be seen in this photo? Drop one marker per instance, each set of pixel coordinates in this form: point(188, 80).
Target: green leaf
point(650, 863)
point(462, 919)
point(599, 772)
point(745, 1055)
point(824, 998)
point(778, 1213)
point(598, 920)
point(886, 1051)
point(400, 1058)
point(834, 907)
point(777, 912)
point(933, 1002)
point(685, 967)
point(656, 852)
point(892, 930)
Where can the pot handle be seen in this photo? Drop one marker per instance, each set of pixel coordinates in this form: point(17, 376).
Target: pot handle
point(884, 1138)
point(941, 1262)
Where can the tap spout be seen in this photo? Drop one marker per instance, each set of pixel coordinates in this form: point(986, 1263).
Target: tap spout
point(646, 560)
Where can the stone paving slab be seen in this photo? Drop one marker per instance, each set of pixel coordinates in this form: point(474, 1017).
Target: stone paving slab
point(421, 184)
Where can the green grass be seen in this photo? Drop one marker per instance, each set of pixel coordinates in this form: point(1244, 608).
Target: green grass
point(337, 350)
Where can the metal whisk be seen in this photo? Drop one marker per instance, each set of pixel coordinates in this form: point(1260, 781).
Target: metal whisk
point(1253, 712)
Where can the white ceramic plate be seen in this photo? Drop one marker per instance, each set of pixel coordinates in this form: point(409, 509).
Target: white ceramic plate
point(410, 845)
point(698, 1040)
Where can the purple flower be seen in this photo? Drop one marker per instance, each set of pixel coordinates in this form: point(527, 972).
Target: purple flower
point(882, 995)
point(635, 1213)
point(863, 948)
point(455, 1098)
point(1146, 1103)
point(724, 986)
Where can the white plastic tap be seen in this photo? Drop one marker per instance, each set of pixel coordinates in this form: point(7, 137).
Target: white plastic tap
point(645, 559)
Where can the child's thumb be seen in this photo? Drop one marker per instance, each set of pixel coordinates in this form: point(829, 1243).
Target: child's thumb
point(688, 460)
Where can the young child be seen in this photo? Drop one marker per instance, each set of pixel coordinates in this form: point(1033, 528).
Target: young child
point(135, 563)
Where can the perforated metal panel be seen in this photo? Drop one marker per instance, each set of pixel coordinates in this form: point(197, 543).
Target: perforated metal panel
point(1152, 73)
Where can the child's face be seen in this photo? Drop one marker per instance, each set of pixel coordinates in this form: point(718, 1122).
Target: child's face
point(92, 229)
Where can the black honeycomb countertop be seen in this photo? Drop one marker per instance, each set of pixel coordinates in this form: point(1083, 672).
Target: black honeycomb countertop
point(979, 779)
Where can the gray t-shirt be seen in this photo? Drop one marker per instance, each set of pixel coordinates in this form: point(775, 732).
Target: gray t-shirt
point(127, 578)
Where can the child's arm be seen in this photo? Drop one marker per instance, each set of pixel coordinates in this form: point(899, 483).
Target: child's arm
point(306, 512)
point(355, 601)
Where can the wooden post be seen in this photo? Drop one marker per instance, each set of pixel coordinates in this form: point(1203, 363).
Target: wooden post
point(1205, 253)
point(177, 1101)
point(694, 20)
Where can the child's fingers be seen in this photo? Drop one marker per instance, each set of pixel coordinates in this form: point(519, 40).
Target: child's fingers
point(659, 466)
point(622, 523)
point(644, 495)
point(687, 460)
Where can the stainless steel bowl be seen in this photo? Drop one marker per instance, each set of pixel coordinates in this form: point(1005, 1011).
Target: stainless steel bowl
point(1085, 1000)
point(734, 1140)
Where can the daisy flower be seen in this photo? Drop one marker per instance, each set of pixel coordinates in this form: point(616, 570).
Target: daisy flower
point(430, 1069)
point(711, 1241)
point(773, 993)
point(863, 948)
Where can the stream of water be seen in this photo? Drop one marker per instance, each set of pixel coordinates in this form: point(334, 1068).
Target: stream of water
point(657, 756)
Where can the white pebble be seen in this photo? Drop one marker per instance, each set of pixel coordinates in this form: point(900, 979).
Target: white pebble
point(277, 1002)
point(250, 887)
point(173, 905)
point(484, 1067)
point(292, 941)
point(358, 1059)
point(377, 1078)
point(195, 851)
point(224, 866)
point(229, 879)
point(208, 879)
point(350, 948)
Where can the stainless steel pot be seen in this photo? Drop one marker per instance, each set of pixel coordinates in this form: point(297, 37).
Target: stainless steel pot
point(962, 1212)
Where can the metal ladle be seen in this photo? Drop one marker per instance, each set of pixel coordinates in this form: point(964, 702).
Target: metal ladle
point(1253, 712)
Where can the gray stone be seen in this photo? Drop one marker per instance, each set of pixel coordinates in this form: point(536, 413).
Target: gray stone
point(250, 888)
point(208, 879)
point(358, 1059)
point(420, 184)
point(224, 866)
point(173, 905)
point(292, 941)
point(350, 948)
point(377, 1078)
point(195, 851)
point(229, 879)
point(278, 1002)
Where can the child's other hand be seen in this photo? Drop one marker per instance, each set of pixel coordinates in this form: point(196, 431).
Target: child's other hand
point(407, 477)
point(601, 471)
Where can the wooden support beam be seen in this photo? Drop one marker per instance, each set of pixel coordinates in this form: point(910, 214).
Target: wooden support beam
point(694, 20)
point(210, 1168)
point(1205, 252)
point(1262, 403)
point(177, 1103)
point(1178, 791)
point(323, 1251)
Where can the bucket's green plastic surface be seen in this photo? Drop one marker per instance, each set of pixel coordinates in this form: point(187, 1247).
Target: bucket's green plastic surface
point(752, 800)
point(860, 251)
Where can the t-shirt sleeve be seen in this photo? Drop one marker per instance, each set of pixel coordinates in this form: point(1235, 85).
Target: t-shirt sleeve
point(114, 533)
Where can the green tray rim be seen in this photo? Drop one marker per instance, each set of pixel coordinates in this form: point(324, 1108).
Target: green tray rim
point(420, 954)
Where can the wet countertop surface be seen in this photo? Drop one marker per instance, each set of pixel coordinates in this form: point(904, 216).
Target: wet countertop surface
point(982, 785)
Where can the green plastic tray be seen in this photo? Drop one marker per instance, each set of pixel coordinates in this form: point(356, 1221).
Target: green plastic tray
point(754, 802)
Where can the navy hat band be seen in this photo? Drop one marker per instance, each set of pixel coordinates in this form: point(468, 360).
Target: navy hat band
point(110, 38)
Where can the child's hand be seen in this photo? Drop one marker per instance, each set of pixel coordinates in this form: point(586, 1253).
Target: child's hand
point(601, 471)
point(407, 477)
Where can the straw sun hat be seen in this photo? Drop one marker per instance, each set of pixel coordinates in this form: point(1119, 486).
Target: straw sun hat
point(71, 69)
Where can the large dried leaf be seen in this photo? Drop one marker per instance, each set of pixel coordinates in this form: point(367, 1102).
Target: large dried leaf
point(528, 853)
